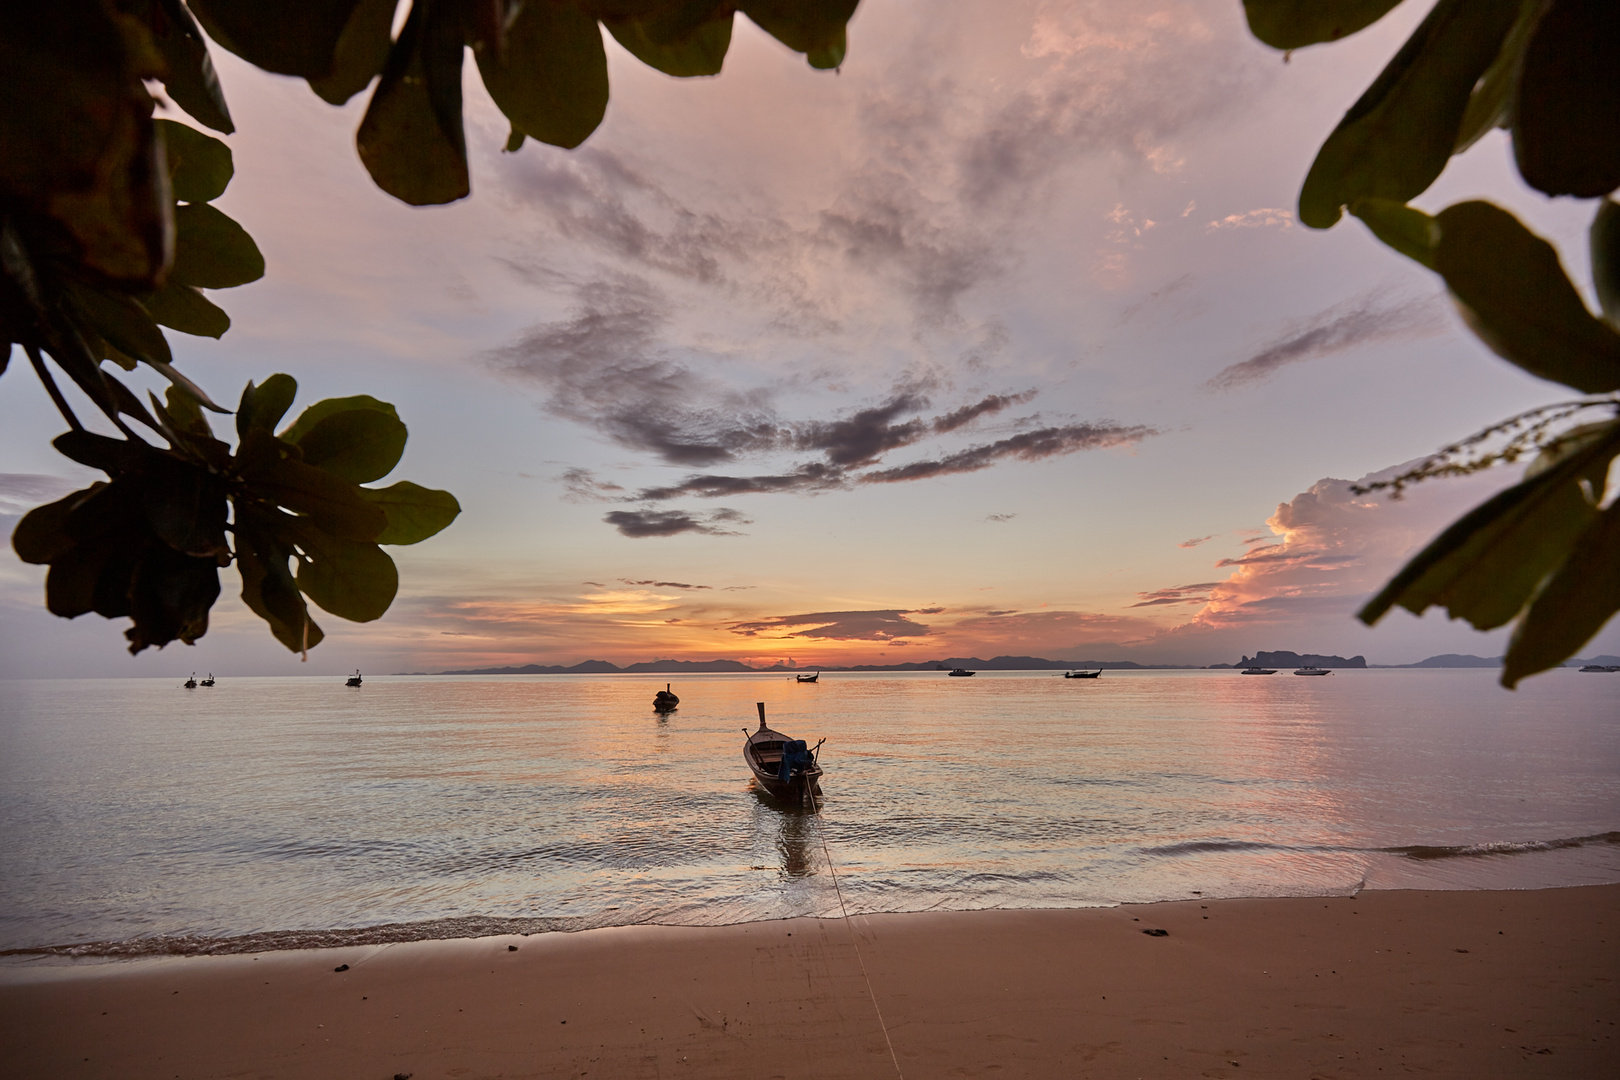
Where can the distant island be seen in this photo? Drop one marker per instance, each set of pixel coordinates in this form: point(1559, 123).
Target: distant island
point(1296, 660)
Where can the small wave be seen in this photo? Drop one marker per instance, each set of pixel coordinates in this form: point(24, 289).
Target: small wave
point(1210, 847)
point(1469, 851)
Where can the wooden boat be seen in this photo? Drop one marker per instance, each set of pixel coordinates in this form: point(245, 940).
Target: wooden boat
point(191, 683)
point(1082, 674)
point(664, 701)
point(961, 672)
point(784, 767)
point(1308, 670)
point(354, 680)
point(1259, 671)
point(807, 678)
point(208, 681)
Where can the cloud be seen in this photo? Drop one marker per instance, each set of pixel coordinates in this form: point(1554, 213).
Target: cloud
point(1185, 281)
point(1363, 320)
point(1179, 594)
point(665, 584)
point(839, 625)
point(643, 523)
point(1266, 217)
point(999, 517)
point(1043, 632)
point(1195, 541)
point(20, 492)
point(1028, 446)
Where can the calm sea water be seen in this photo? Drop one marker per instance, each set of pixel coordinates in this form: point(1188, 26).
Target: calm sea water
point(138, 817)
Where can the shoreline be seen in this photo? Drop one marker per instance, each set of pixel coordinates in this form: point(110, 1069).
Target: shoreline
point(1498, 983)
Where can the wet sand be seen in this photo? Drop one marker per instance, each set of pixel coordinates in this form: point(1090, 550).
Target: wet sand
point(1475, 984)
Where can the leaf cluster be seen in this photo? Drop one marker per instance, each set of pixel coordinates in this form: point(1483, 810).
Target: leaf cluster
point(1546, 552)
point(149, 543)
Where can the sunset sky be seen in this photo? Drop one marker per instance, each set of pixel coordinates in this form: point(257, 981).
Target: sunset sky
point(1001, 340)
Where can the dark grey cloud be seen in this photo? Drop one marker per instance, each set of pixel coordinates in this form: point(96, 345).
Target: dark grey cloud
point(1195, 541)
point(664, 584)
point(1180, 594)
point(1026, 446)
point(840, 625)
point(999, 517)
point(1363, 320)
point(639, 524)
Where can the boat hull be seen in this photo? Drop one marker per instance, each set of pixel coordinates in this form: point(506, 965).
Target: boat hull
point(762, 752)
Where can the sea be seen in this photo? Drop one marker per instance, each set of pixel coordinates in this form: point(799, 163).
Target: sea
point(140, 818)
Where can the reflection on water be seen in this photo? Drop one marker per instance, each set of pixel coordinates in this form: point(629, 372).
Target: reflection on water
point(438, 806)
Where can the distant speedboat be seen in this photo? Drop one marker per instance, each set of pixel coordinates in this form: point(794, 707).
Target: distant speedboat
point(960, 672)
point(354, 680)
point(664, 701)
point(1082, 674)
point(208, 681)
point(785, 767)
point(1312, 671)
point(807, 678)
point(1259, 671)
point(191, 683)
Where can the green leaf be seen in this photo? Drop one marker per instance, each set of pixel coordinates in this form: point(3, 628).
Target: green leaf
point(361, 52)
point(200, 166)
point(411, 139)
point(1568, 108)
point(1492, 100)
point(1604, 241)
point(700, 51)
point(121, 320)
point(183, 308)
point(1516, 297)
point(1294, 24)
point(551, 78)
point(211, 251)
point(414, 512)
point(169, 597)
point(333, 505)
point(263, 407)
point(1398, 137)
point(191, 81)
point(288, 37)
point(802, 25)
point(353, 581)
point(360, 445)
point(168, 371)
point(331, 407)
point(1581, 595)
point(41, 536)
point(1410, 232)
point(263, 549)
point(829, 55)
point(1489, 562)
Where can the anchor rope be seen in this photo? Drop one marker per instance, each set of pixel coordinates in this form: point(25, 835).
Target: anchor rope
point(821, 832)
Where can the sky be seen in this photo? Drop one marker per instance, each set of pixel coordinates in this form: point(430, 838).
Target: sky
point(1003, 339)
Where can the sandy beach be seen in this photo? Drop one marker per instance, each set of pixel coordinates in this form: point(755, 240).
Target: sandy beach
point(1498, 984)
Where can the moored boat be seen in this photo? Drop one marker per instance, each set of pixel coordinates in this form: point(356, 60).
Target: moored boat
point(961, 672)
point(665, 700)
point(1259, 671)
point(1308, 670)
point(191, 683)
point(783, 766)
point(1083, 674)
point(353, 680)
point(208, 681)
point(807, 678)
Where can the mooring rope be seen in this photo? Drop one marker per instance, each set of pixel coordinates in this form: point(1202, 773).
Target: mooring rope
point(854, 939)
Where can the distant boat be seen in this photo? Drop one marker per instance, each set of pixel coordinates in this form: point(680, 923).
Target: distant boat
point(354, 680)
point(1259, 671)
point(208, 681)
point(959, 672)
point(664, 701)
point(807, 678)
point(191, 683)
point(1312, 671)
point(1601, 667)
point(785, 767)
point(1082, 674)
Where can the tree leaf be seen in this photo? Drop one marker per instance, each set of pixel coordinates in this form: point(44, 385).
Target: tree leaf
point(361, 52)
point(359, 445)
point(170, 595)
point(802, 25)
point(1569, 101)
point(200, 166)
point(331, 407)
point(1410, 232)
point(211, 251)
point(699, 51)
point(183, 308)
point(414, 512)
point(411, 139)
point(191, 81)
point(41, 536)
point(1486, 565)
point(1581, 595)
point(829, 55)
point(333, 505)
point(288, 37)
point(1516, 297)
point(121, 320)
point(262, 407)
point(1491, 103)
point(1604, 242)
point(551, 78)
point(1294, 24)
point(1398, 137)
point(268, 588)
point(353, 581)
